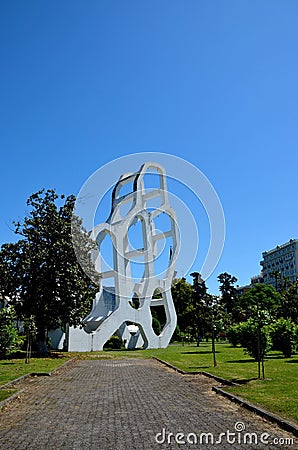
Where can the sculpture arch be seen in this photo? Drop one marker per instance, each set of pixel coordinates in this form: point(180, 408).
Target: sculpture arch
point(112, 308)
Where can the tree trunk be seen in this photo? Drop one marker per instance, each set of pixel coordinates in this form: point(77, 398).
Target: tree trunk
point(259, 351)
point(263, 368)
point(28, 350)
point(213, 348)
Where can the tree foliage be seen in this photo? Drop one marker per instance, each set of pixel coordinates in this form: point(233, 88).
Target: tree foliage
point(255, 341)
point(200, 304)
point(182, 296)
point(229, 298)
point(42, 276)
point(260, 303)
point(9, 338)
point(199, 313)
point(288, 308)
point(30, 330)
point(283, 333)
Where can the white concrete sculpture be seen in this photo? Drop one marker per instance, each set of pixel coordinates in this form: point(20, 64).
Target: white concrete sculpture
point(124, 306)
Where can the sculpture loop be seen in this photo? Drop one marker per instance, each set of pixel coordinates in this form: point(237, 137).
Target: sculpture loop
point(138, 279)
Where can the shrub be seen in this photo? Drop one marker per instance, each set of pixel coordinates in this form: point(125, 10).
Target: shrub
point(283, 333)
point(233, 335)
point(248, 336)
point(156, 326)
point(114, 343)
point(10, 341)
point(177, 335)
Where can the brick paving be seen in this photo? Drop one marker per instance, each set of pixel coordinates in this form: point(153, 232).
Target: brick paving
point(122, 405)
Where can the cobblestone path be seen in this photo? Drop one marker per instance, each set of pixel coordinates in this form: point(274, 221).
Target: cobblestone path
point(129, 404)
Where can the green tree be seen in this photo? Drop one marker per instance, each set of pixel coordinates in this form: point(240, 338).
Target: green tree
point(9, 338)
point(42, 275)
point(156, 326)
point(215, 318)
point(283, 333)
point(30, 330)
point(256, 341)
point(260, 304)
point(229, 297)
point(182, 293)
point(288, 308)
point(277, 279)
point(209, 316)
point(199, 300)
point(11, 269)
point(233, 334)
point(260, 300)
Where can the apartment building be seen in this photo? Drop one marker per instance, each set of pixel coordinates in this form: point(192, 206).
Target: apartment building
point(282, 260)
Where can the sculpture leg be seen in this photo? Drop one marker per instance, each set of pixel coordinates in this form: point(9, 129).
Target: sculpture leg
point(130, 340)
point(169, 328)
point(106, 329)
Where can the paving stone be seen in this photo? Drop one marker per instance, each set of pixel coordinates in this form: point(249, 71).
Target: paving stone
point(123, 405)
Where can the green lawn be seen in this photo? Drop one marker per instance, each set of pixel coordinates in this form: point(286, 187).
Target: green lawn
point(5, 393)
point(11, 369)
point(277, 393)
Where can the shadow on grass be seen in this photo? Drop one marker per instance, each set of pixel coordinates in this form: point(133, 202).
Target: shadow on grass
point(293, 361)
point(9, 359)
point(244, 380)
point(199, 353)
point(241, 361)
point(275, 357)
point(21, 355)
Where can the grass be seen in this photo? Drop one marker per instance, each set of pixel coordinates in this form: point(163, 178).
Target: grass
point(277, 393)
point(5, 393)
point(13, 368)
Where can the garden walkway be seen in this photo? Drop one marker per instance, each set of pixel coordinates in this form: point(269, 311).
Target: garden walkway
point(128, 404)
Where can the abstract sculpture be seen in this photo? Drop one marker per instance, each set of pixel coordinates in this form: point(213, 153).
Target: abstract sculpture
point(123, 306)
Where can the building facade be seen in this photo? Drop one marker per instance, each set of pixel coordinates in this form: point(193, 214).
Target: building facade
point(257, 279)
point(281, 262)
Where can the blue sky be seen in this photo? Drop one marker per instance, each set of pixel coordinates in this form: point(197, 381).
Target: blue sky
point(213, 82)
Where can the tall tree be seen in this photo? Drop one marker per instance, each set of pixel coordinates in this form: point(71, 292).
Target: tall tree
point(289, 302)
point(182, 293)
point(211, 317)
point(261, 298)
point(277, 279)
point(42, 275)
point(260, 304)
point(228, 292)
point(199, 302)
